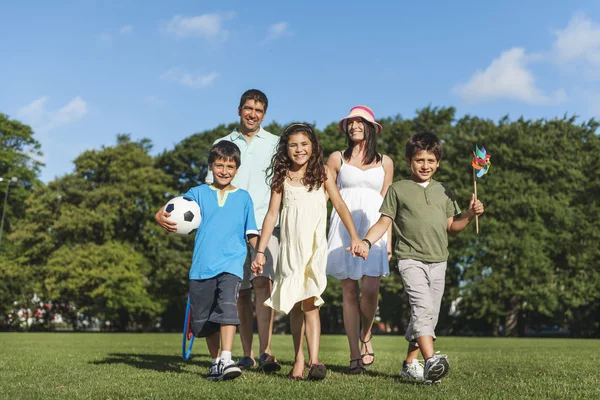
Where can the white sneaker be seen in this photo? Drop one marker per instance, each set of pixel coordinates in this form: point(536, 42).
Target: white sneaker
point(213, 374)
point(436, 367)
point(414, 370)
point(228, 370)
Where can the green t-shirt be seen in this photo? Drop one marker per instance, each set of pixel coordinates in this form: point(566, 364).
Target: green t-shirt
point(420, 218)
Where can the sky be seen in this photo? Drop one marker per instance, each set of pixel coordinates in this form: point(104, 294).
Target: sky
point(79, 73)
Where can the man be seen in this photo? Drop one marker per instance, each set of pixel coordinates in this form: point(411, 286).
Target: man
point(257, 146)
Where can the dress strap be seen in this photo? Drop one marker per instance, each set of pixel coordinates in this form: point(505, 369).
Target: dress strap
point(341, 158)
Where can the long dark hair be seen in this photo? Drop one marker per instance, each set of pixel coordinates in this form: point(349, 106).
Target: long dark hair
point(281, 163)
point(371, 153)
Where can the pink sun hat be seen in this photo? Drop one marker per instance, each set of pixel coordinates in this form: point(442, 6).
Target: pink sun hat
point(363, 112)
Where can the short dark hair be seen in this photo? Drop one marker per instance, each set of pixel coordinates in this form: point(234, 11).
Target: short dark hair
point(256, 95)
point(424, 141)
point(225, 150)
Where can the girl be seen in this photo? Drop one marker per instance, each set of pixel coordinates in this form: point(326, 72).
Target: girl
point(363, 177)
point(300, 181)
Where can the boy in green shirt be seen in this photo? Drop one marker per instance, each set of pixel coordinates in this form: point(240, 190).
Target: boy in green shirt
point(424, 211)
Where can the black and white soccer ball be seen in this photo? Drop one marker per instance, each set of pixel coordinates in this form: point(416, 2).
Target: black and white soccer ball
point(185, 213)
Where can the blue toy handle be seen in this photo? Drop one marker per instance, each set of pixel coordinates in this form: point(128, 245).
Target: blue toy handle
point(185, 353)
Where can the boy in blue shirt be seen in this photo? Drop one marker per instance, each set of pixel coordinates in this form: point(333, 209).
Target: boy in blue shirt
point(218, 257)
point(424, 211)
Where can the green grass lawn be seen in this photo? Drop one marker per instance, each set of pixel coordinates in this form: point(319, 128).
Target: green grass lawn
point(149, 366)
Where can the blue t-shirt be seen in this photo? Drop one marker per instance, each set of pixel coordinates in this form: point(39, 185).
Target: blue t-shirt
point(220, 243)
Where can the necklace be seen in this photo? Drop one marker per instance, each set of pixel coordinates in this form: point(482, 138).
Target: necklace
point(295, 178)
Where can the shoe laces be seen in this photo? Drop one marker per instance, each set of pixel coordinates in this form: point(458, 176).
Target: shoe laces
point(214, 368)
point(415, 365)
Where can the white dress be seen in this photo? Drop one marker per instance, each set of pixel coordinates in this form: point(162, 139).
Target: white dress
point(361, 191)
point(302, 248)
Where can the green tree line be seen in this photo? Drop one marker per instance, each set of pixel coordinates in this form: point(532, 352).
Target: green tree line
point(87, 242)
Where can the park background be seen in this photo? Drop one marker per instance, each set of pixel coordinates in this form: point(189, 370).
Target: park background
point(108, 109)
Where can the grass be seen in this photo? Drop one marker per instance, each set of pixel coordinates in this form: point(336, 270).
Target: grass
point(149, 366)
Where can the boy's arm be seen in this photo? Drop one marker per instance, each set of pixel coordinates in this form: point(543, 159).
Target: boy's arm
point(334, 194)
point(388, 169)
point(253, 239)
point(267, 231)
point(455, 225)
point(376, 232)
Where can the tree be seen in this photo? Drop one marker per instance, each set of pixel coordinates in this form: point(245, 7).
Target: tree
point(100, 220)
point(19, 157)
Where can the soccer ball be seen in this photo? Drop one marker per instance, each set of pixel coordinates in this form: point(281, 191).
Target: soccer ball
point(185, 213)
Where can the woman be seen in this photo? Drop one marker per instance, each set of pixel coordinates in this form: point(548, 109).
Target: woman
point(363, 177)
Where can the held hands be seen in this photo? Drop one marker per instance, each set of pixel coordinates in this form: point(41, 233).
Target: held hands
point(162, 218)
point(358, 248)
point(257, 264)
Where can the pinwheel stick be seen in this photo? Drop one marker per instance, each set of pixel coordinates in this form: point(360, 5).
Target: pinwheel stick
point(475, 192)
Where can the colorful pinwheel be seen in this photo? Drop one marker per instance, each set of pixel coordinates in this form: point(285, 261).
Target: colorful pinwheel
point(481, 161)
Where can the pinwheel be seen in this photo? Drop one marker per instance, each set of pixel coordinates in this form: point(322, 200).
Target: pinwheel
point(481, 165)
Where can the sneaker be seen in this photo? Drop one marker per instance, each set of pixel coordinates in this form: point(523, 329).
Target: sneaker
point(436, 367)
point(414, 370)
point(228, 370)
point(213, 374)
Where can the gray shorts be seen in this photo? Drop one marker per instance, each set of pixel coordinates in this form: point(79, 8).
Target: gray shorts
point(272, 255)
point(424, 283)
point(214, 303)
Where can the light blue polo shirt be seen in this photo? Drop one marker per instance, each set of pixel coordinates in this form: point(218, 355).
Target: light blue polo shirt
point(220, 243)
point(256, 158)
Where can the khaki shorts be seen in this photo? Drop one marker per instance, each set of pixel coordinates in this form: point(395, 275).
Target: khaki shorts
point(272, 255)
point(424, 283)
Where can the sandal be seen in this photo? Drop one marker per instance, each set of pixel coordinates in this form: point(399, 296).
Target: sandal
point(358, 369)
point(363, 355)
point(317, 372)
point(246, 363)
point(294, 377)
point(268, 364)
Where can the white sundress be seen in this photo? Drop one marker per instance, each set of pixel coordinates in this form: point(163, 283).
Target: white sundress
point(302, 248)
point(361, 191)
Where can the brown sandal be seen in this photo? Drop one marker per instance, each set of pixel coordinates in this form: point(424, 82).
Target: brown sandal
point(358, 369)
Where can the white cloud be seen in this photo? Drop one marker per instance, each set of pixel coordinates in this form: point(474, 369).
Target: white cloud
point(154, 100)
point(207, 26)
point(189, 79)
point(105, 38)
point(579, 41)
point(506, 77)
point(43, 120)
point(277, 30)
point(126, 29)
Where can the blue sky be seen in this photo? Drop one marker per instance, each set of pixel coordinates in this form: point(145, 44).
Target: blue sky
point(81, 72)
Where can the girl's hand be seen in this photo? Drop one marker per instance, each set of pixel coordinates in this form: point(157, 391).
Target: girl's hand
point(257, 264)
point(389, 250)
point(162, 218)
point(358, 248)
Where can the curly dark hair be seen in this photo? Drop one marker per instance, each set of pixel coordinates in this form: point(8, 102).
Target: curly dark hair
point(281, 163)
